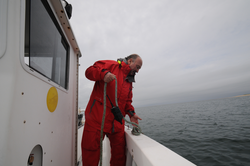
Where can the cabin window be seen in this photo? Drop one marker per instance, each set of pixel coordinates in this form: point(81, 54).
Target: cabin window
point(46, 49)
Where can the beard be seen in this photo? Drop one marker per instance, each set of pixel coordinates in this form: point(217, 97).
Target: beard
point(132, 72)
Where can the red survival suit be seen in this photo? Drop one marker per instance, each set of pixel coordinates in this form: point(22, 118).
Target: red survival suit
point(94, 112)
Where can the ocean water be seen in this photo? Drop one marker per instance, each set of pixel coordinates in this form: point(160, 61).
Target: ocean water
point(207, 133)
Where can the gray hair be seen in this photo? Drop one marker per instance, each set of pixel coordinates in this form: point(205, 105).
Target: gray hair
point(132, 56)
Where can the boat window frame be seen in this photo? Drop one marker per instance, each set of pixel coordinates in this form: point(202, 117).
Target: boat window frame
point(64, 43)
point(3, 26)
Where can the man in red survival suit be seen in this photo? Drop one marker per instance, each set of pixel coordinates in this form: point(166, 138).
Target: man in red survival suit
point(105, 71)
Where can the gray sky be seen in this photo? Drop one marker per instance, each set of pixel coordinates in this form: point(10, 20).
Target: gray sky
point(191, 49)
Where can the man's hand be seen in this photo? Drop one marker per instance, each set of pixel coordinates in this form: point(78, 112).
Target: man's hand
point(109, 77)
point(135, 119)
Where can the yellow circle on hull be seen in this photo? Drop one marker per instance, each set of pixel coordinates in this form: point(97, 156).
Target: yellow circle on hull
point(52, 99)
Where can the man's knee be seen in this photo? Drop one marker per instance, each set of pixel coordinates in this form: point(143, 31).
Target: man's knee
point(91, 140)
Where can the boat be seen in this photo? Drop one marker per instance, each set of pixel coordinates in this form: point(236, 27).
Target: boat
point(40, 121)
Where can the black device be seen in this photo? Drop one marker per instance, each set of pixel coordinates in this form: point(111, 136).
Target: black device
point(116, 112)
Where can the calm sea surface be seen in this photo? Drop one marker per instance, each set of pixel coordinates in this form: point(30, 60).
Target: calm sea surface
point(207, 133)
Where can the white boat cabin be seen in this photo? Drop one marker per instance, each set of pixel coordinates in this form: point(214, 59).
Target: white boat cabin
point(39, 84)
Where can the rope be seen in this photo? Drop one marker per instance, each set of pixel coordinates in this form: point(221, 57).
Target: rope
point(136, 130)
point(103, 119)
